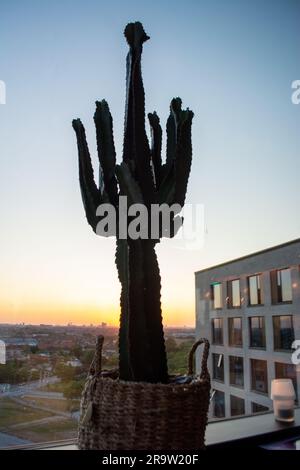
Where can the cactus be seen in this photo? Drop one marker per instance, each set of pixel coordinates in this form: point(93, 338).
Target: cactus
point(142, 177)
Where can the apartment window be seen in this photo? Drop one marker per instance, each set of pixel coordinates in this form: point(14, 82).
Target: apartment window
point(257, 332)
point(259, 375)
point(257, 408)
point(219, 404)
point(236, 371)
point(217, 330)
point(218, 367)
point(235, 332)
point(233, 293)
point(254, 288)
point(286, 371)
point(281, 286)
point(216, 294)
point(283, 332)
point(237, 406)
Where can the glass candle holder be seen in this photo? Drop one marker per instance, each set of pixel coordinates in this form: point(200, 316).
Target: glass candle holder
point(283, 396)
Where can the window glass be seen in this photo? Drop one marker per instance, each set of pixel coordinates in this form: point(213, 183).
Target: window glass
point(285, 285)
point(235, 292)
point(236, 371)
point(235, 332)
point(257, 332)
point(255, 294)
point(237, 406)
point(257, 408)
point(218, 367)
point(217, 330)
point(281, 286)
point(216, 293)
point(283, 332)
point(219, 404)
point(259, 375)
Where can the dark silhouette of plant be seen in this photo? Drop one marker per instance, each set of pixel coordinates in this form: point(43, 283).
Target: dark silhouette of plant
point(143, 178)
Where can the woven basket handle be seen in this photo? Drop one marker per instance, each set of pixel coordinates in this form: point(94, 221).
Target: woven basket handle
point(204, 370)
point(95, 367)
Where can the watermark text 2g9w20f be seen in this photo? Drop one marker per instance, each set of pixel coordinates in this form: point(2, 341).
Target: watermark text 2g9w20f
point(2, 92)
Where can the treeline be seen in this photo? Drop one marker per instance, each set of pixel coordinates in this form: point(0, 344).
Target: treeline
point(16, 372)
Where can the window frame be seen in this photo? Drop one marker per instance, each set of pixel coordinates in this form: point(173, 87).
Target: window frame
point(213, 331)
point(233, 384)
point(275, 349)
point(230, 294)
point(275, 297)
point(231, 344)
point(259, 290)
point(221, 392)
point(214, 355)
point(252, 360)
point(212, 295)
point(236, 398)
point(261, 348)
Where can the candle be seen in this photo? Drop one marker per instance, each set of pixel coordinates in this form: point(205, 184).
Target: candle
point(283, 396)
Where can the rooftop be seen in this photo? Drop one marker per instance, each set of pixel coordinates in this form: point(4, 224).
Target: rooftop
point(260, 252)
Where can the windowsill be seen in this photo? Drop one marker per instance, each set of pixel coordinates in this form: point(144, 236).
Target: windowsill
point(287, 351)
point(286, 302)
point(264, 394)
point(250, 431)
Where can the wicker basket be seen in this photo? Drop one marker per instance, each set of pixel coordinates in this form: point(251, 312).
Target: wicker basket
point(119, 415)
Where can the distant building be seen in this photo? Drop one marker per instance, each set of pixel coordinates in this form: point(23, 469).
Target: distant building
point(21, 342)
point(74, 363)
point(249, 309)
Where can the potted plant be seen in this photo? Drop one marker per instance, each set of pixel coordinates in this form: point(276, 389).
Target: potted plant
point(139, 406)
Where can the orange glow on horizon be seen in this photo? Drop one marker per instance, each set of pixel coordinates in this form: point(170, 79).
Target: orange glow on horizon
point(86, 314)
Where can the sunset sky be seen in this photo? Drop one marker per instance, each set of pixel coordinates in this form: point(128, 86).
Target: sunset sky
point(232, 62)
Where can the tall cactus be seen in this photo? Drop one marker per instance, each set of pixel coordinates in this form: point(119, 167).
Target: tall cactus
point(142, 177)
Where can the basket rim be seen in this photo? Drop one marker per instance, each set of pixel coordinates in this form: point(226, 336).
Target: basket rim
point(197, 380)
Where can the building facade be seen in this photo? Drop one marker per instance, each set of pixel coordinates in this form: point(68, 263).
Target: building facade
point(249, 309)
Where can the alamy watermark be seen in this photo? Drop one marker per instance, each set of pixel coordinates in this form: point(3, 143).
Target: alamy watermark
point(2, 92)
point(296, 354)
point(137, 221)
point(296, 94)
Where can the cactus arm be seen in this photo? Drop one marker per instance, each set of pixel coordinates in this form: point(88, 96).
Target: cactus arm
point(171, 138)
point(136, 145)
point(167, 188)
point(128, 185)
point(183, 156)
point(91, 196)
point(156, 138)
point(176, 170)
point(106, 150)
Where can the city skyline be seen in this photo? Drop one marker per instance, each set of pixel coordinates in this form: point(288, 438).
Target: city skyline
point(232, 64)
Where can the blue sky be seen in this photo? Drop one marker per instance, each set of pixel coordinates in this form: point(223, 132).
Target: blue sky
point(232, 62)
